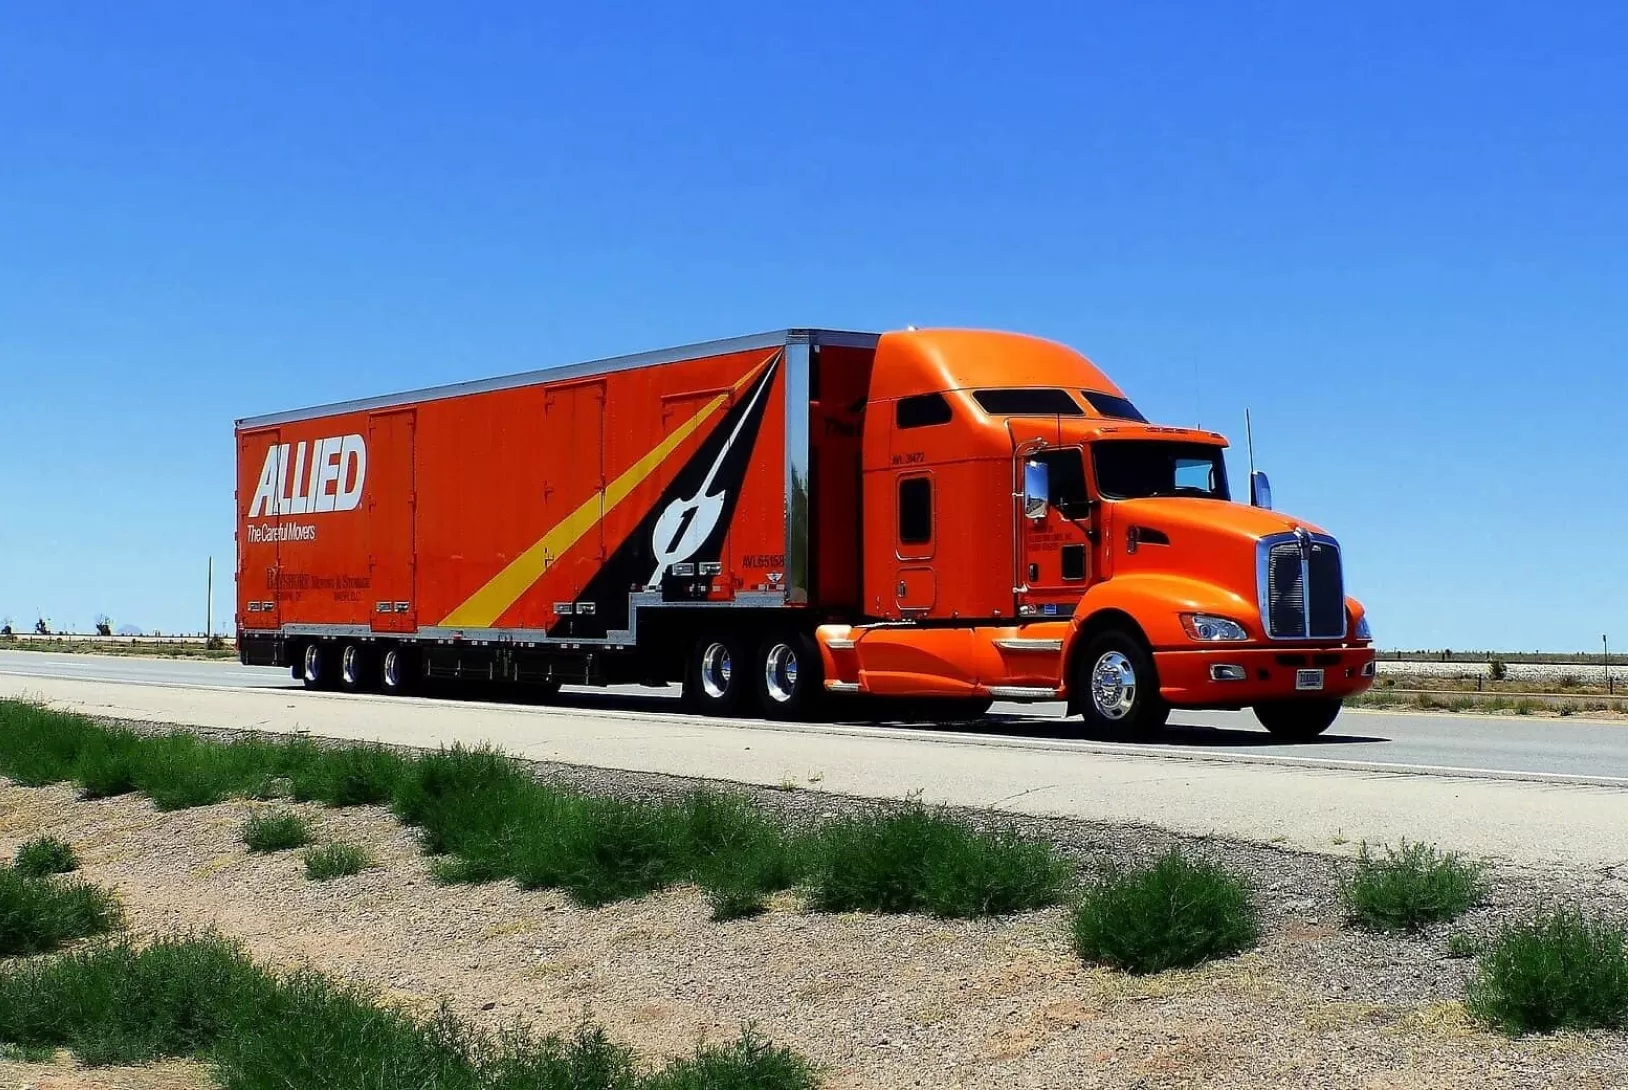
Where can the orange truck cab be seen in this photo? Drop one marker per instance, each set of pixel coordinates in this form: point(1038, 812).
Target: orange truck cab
point(1029, 536)
point(933, 519)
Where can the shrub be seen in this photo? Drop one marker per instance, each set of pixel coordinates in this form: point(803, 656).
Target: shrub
point(202, 997)
point(349, 776)
point(916, 860)
point(38, 915)
point(1176, 913)
point(1497, 669)
point(1567, 681)
point(336, 860)
point(46, 855)
point(1410, 888)
point(275, 832)
point(1557, 971)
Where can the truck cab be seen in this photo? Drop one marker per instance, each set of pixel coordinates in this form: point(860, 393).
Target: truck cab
point(1029, 535)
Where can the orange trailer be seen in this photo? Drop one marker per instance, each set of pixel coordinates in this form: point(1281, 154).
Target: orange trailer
point(936, 518)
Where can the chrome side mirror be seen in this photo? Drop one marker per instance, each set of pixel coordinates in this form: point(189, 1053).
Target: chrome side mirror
point(1036, 489)
point(1260, 490)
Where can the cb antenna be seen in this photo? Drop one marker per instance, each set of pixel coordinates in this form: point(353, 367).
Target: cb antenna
point(1249, 441)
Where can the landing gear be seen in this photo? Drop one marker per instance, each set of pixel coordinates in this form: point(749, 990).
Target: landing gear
point(1298, 720)
point(1116, 688)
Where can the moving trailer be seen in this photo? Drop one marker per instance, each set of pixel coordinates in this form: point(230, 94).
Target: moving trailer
point(941, 516)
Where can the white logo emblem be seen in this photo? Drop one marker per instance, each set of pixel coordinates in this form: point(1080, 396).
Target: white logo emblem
point(687, 523)
point(331, 480)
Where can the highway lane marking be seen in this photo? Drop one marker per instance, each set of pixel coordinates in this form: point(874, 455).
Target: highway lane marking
point(916, 734)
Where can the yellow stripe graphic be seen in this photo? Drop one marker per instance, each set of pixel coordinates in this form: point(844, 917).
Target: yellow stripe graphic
point(486, 605)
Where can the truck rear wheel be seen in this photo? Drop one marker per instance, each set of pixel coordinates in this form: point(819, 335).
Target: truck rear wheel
point(1298, 720)
point(717, 680)
point(314, 668)
point(789, 677)
point(355, 669)
point(398, 670)
point(1119, 691)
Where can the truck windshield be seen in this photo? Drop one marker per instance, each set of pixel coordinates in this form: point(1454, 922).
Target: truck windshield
point(1136, 468)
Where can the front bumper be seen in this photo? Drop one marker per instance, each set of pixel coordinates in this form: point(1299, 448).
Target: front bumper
point(1187, 678)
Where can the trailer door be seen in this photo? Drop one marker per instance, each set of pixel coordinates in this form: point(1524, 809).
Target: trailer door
point(262, 470)
point(392, 504)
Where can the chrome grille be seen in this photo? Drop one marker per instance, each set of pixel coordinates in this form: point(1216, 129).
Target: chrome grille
point(1302, 591)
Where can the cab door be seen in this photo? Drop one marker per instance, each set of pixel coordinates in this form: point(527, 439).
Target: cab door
point(916, 543)
point(1053, 547)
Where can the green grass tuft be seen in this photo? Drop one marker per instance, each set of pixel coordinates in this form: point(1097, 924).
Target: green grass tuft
point(203, 998)
point(336, 860)
point(1176, 913)
point(1461, 944)
point(1410, 888)
point(277, 831)
point(38, 915)
point(1559, 970)
point(916, 860)
point(46, 855)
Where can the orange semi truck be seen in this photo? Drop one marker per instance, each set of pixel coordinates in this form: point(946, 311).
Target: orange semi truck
point(935, 519)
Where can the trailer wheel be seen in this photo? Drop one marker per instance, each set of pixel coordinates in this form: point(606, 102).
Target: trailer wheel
point(1298, 720)
point(1118, 689)
point(355, 669)
point(790, 676)
point(314, 669)
point(398, 671)
point(717, 680)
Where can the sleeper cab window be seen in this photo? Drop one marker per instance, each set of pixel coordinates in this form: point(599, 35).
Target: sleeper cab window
point(915, 511)
point(921, 411)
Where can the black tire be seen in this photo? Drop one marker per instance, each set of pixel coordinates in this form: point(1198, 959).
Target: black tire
point(718, 679)
point(1298, 720)
point(356, 672)
point(398, 671)
point(1126, 704)
point(789, 677)
point(315, 666)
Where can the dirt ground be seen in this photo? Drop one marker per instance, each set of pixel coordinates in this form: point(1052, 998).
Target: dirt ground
point(880, 1002)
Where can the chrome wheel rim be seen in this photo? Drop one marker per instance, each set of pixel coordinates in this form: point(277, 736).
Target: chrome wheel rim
point(1113, 686)
point(392, 669)
point(780, 673)
point(716, 668)
point(313, 662)
point(347, 665)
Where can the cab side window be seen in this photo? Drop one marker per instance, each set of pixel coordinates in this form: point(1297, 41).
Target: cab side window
point(921, 411)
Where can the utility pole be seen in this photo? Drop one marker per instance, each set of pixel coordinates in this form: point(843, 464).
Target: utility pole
point(1605, 643)
point(209, 601)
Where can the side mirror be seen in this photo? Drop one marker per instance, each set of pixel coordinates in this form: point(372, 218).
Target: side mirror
point(1036, 489)
point(1260, 490)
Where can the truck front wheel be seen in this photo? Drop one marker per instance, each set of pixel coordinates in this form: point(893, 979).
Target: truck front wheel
point(1118, 690)
point(717, 679)
point(1298, 720)
point(789, 681)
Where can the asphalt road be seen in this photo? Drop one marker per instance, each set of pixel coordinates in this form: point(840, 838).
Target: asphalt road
point(1475, 746)
point(1536, 792)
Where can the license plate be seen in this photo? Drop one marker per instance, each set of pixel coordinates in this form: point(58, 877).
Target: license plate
point(1308, 679)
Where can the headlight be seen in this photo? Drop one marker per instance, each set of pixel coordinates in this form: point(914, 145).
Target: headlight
point(1208, 628)
point(1363, 631)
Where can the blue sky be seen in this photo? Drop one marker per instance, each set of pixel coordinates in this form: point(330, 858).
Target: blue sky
point(1399, 232)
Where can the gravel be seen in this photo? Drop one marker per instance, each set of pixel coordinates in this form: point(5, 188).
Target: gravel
point(881, 1002)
